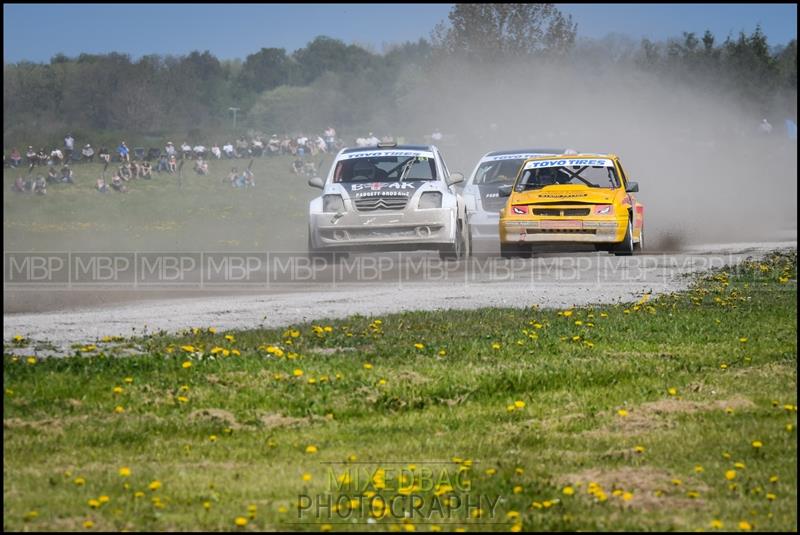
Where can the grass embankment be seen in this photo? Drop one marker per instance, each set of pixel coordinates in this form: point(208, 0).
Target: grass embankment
point(678, 412)
point(200, 214)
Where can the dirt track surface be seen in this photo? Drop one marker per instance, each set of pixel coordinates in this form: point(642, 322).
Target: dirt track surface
point(417, 283)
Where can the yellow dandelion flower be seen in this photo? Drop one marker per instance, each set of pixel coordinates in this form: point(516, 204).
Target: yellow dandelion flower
point(730, 475)
point(79, 481)
point(119, 409)
point(693, 494)
point(419, 346)
point(566, 313)
point(639, 449)
point(757, 444)
point(743, 339)
point(716, 524)
point(88, 524)
point(186, 364)
point(773, 479)
point(94, 504)
point(189, 348)
point(240, 521)
point(519, 471)
point(311, 449)
point(103, 499)
point(138, 494)
point(212, 438)
point(771, 497)
point(672, 391)
point(367, 366)
point(622, 412)
point(128, 380)
point(518, 489)
point(495, 345)
point(519, 404)
point(627, 496)
point(297, 372)
point(490, 472)
point(230, 338)
point(442, 352)
point(125, 471)
point(568, 491)
point(31, 360)
point(325, 527)
point(677, 482)
point(739, 464)
point(744, 525)
point(698, 469)
point(207, 505)
point(154, 485)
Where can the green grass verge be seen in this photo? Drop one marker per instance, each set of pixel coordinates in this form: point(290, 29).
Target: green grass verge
point(630, 417)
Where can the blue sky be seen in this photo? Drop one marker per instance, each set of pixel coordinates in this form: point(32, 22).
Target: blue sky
point(37, 32)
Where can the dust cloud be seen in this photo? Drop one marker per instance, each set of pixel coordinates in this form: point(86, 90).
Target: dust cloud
point(705, 173)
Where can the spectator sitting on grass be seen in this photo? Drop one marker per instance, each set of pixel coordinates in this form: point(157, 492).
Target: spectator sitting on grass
point(104, 155)
point(242, 149)
point(186, 151)
point(173, 164)
point(258, 147)
point(52, 175)
point(231, 179)
point(274, 145)
point(146, 171)
point(31, 155)
point(249, 178)
point(66, 175)
point(42, 157)
point(19, 185)
point(134, 169)
point(216, 152)
point(125, 172)
point(40, 187)
point(15, 157)
point(117, 184)
point(228, 150)
point(101, 186)
point(201, 167)
point(88, 153)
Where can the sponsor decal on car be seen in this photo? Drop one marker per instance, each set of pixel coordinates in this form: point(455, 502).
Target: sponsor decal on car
point(381, 186)
point(382, 153)
point(569, 162)
point(520, 156)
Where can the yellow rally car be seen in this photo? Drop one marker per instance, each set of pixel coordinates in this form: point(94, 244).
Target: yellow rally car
point(571, 199)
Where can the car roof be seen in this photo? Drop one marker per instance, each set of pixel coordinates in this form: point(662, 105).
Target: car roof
point(396, 147)
point(524, 151)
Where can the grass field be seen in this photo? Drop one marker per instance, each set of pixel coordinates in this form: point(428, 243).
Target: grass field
point(203, 214)
point(677, 412)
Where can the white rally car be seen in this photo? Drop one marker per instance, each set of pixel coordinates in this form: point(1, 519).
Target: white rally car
point(482, 196)
point(388, 197)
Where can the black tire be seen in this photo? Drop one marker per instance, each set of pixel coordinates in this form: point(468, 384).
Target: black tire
point(625, 248)
point(460, 247)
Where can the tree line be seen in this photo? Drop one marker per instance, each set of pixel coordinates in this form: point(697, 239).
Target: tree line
point(331, 82)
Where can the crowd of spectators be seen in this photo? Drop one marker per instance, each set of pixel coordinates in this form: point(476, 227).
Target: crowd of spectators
point(140, 163)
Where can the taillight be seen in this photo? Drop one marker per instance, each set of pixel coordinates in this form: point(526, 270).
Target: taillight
point(519, 209)
point(603, 209)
